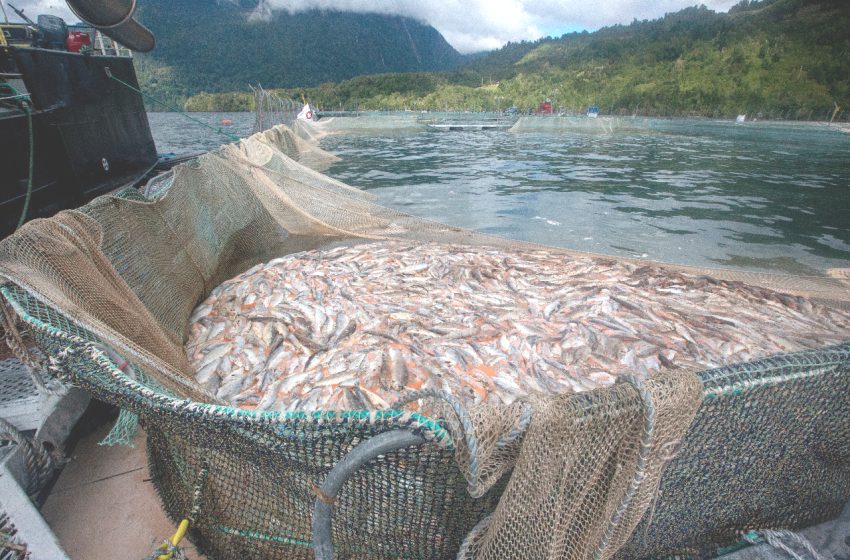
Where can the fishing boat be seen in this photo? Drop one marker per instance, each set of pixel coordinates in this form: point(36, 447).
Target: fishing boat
point(72, 120)
point(593, 111)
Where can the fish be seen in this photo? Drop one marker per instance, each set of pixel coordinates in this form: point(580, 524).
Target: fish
point(217, 352)
point(269, 397)
point(231, 387)
point(361, 326)
point(205, 373)
point(212, 384)
point(344, 329)
point(551, 308)
point(414, 268)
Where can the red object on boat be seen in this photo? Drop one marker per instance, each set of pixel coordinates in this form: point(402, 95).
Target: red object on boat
point(226, 121)
point(545, 108)
point(76, 40)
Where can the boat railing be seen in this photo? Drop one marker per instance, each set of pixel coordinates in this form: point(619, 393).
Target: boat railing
point(22, 35)
point(103, 45)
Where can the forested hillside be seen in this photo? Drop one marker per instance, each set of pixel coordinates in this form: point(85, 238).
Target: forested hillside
point(774, 58)
point(223, 45)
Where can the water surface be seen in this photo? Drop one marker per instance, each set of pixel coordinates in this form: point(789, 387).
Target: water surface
point(761, 195)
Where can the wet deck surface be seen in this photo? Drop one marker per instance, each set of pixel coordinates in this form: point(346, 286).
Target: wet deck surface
point(104, 506)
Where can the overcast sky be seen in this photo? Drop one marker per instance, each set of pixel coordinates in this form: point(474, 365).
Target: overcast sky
point(474, 25)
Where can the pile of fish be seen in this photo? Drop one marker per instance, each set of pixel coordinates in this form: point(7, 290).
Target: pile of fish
point(358, 327)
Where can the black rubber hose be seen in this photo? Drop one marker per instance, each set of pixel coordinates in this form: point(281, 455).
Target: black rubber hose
point(342, 471)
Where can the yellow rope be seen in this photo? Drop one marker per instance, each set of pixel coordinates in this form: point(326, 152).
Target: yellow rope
point(169, 546)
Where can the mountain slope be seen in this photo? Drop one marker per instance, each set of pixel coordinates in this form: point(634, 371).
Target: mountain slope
point(786, 58)
point(771, 58)
point(204, 45)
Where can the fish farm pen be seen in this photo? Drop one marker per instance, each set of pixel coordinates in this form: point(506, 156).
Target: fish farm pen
point(307, 367)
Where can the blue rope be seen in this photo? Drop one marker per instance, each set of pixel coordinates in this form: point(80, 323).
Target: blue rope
point(232, 137)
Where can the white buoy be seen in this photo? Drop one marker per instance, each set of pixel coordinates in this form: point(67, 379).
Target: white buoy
point(307, 113)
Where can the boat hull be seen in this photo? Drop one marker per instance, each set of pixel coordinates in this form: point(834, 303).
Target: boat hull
point(90, 133)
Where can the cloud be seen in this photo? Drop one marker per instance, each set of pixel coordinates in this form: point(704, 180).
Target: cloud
point(475, 25)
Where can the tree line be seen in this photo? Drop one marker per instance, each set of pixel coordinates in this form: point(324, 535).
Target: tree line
point(786, 59)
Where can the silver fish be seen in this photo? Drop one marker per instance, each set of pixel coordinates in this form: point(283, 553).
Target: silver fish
point(360, 326)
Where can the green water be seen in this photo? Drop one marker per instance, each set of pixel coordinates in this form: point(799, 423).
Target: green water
point(758, 195)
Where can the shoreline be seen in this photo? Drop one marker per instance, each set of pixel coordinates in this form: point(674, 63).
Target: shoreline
point(844, 125)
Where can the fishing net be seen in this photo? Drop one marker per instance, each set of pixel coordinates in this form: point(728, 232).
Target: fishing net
point(581, 125)
point(360, 123)
point(106, 291)
point(271, 110)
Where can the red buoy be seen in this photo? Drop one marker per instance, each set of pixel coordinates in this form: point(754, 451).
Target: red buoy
point(226, 121)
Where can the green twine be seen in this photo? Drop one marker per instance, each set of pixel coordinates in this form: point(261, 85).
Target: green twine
point(24, 96)
point(124, 430)
point(232, 137)
point(26, 209)
point(261, 536)
point(747, 540)
point(26, 108)
point(126, 426)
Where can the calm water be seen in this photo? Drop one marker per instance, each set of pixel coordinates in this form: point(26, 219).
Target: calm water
point(761, 196)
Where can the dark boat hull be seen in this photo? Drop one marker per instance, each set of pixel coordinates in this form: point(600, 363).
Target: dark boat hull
point(90, 133)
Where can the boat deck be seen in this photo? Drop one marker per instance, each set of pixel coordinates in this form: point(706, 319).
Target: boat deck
point(104, 506)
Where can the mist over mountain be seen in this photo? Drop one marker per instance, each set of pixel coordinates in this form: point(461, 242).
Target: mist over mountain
point(768, 58)
point(222, 45)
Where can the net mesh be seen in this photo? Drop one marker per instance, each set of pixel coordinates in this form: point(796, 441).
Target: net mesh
point(568, 476)
point(768, 434)
point(361, 123)
point(582, 125)
point(271, 110)
point(593, 463)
